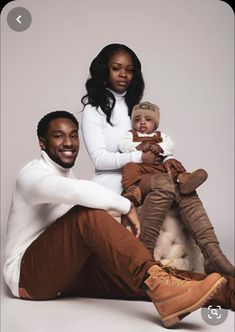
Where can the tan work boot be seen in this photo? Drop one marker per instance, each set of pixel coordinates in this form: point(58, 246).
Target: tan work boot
point(225, 296)
point(133, 193)
point(188, 182)
point(175, 297)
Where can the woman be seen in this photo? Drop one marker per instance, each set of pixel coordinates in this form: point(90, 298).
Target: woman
point(114, 87)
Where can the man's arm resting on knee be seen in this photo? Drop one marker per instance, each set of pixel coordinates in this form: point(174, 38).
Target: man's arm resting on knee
point(50, 188)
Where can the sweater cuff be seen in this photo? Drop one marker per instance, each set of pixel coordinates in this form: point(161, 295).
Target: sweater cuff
point(166, 158)
point(126, 205)
point(136, 156)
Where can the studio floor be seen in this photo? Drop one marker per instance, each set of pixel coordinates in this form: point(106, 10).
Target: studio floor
point(88, 315)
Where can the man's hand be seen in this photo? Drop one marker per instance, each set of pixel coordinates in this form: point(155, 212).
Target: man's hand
point(131, 219)
point(173, 164)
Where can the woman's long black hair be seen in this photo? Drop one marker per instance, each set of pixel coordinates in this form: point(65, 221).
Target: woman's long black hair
point(97, 94)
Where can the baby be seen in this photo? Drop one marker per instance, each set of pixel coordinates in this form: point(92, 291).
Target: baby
point(145, 137)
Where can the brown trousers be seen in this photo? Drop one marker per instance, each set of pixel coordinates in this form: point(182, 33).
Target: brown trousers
point(84, 253)
point(133, 172)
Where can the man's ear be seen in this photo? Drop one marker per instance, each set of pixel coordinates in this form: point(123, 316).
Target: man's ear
point(42, 143)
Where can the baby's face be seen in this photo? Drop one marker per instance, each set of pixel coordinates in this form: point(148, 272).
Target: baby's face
point(144, 124)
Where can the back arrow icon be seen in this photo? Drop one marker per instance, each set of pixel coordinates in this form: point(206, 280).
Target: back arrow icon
point(18, 19)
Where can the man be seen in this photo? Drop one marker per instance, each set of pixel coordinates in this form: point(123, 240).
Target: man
point(61, 242)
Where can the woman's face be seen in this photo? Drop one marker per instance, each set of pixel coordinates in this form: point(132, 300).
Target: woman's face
point(120, 71)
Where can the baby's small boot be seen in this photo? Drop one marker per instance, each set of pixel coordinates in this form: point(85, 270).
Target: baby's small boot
point(133, 193)
point(188, 182)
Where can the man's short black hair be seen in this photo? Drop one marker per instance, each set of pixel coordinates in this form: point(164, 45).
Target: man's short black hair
point(43, 124)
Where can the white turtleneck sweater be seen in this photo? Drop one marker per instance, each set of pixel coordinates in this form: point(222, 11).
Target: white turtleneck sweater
point(102, 140)
point(44, 192)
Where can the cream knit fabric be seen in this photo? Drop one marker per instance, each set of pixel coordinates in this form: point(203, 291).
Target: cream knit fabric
point(101, 141)
point(44, 192)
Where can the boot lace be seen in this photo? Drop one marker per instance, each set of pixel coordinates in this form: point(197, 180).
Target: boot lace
point(168, 274)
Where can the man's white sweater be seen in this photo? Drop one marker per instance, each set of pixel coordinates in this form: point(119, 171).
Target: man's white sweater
point(44, 192)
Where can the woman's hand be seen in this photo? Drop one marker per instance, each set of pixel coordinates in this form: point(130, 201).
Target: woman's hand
point(172, 163)
point(131, 219)
point(151, 158)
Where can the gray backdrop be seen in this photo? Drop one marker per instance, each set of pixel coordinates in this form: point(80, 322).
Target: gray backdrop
point(187, 51)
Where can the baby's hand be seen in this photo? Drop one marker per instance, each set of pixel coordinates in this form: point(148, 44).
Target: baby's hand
point(144, 146)
point(156, 149)
point(173, 164)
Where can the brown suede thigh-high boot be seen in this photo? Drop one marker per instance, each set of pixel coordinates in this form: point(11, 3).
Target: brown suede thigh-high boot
point(197, 222)
point(156, 205)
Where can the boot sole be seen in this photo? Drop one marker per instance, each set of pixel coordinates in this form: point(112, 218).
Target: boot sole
point(177, 316)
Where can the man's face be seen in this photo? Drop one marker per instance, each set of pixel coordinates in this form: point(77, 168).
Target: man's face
point(61, 142)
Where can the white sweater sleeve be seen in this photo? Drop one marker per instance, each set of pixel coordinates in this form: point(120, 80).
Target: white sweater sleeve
point(167, 145)
point(40, 187)
point(96, 145)
point(126, 143)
